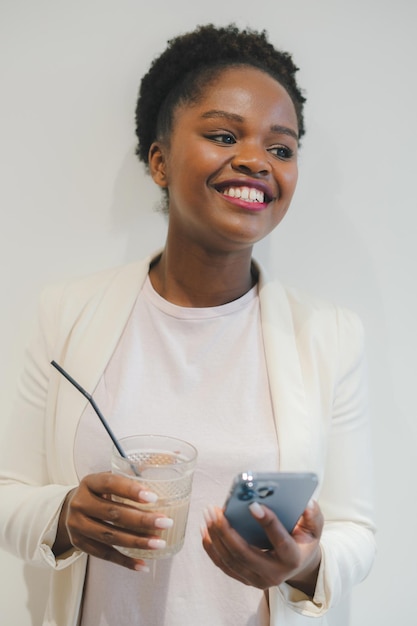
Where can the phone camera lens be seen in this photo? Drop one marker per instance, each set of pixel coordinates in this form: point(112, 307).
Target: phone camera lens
point(246, 493)
point(264, 492)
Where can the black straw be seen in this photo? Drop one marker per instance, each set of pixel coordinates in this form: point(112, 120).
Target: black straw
point(95, 407)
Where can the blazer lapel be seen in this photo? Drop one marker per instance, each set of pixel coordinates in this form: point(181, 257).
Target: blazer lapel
point(293, 424)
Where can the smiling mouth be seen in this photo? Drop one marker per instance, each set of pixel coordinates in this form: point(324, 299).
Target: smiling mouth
point(248, 194)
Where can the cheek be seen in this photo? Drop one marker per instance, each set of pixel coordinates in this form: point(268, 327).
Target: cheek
point(195, 164)
point(289, 178)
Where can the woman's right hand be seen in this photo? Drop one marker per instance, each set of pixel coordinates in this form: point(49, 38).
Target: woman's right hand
point(93, 522)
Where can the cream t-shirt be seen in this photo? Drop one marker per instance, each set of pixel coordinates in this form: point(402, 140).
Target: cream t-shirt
point(198, 374)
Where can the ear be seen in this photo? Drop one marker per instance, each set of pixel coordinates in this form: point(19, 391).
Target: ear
point(157, 164)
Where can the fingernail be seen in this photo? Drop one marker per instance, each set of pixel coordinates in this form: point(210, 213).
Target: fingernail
point(212, 513)
point(142, 568)
point(157, 544)
point(257, 510)
point(164, 522)
point(148, 496)
point(203, 531)
point(310, 504)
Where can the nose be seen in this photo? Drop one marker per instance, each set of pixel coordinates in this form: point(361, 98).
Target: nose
point(251, 159)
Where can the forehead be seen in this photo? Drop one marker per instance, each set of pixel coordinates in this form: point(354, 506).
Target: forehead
point(248, 92)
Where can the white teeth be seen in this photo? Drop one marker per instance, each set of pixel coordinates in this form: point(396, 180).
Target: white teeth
point(250, 194)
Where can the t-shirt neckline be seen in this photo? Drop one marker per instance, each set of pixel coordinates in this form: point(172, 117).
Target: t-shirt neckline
point(182, 312)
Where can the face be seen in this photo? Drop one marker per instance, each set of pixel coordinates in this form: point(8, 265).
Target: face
point(230, 165)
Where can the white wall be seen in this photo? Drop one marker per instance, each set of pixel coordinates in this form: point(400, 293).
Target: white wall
point(73, 199)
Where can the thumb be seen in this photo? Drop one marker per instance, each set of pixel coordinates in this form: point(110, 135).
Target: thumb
point(311, 522)
point(283, 544)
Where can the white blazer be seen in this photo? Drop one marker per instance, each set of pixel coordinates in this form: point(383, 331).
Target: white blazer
point(315, 362)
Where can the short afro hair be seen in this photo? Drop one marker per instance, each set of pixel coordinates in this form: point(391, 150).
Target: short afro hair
point(191, 61)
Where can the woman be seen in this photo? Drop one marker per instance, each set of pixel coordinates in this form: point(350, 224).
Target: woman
point(198, 343)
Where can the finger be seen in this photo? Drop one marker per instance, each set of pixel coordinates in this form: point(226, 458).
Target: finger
point(310, 525)
point(86, 505)
point(214, 555)
point(228, 545)
point(88, 500)
point(283, 544)
point(108, 484)
point(225, 539)
point(108, 553)
point(236, 557)
point(90, 518)
point(108, 536)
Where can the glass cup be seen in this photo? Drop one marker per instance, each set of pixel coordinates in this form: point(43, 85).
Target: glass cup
point(164, 465)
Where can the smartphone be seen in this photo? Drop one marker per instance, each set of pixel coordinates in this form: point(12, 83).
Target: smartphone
point(287, 494)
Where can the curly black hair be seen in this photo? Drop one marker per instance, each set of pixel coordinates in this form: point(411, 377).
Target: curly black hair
point(191, 61)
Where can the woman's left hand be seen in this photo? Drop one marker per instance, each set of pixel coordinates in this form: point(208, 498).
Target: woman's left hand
point(294, 558)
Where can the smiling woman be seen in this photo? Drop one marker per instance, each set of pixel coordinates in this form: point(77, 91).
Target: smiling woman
point(230, 168)
point(198, 343)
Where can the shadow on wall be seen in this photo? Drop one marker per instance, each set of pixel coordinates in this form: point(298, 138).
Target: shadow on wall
point(340, 615)
point(37, 584)
point(136, 209)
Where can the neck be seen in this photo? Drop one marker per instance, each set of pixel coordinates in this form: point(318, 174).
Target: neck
point(198, 278)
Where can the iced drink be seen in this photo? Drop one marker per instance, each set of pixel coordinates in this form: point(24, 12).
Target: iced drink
point(164, 465)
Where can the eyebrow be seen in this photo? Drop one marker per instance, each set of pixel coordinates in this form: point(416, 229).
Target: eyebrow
point(234, 117)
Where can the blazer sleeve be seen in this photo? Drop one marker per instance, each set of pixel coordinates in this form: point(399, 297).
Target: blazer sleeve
point(30, 501)
point(346, 494)
point(36, 454)
point(346, 498)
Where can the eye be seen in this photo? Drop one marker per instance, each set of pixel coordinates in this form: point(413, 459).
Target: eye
point(282, 152)
point(226, 139)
